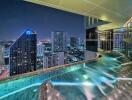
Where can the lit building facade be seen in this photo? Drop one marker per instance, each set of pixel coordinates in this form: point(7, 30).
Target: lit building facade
point(59, 41)
point(40, 49)
point(5, 52)
point(74, 42)
point(59, 58)
point(48, 60)
point(23, 54)
point(47, 47)
point(1, 55)
point(58, 47)
point(54, 59)
point(40, 55)
point(47, 54)
point(44, 54)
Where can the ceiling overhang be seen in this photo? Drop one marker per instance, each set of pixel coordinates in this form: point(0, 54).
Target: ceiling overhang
point(117, 12)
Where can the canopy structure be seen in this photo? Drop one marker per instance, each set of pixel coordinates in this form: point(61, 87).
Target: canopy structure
point(115, 11)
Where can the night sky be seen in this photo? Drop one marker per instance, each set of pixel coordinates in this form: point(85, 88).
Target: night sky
point(17, 16)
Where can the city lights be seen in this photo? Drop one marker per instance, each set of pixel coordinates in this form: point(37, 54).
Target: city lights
point(65, 50)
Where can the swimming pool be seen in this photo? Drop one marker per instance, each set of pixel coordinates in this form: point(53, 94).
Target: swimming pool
point(94, 79)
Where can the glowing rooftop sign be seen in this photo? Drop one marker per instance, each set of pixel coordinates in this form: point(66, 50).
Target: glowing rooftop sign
point(28, 32)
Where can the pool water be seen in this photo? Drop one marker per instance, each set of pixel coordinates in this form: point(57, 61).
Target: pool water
point(86, 81)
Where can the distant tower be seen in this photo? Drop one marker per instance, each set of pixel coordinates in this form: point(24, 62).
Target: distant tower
point(40, 54)
point(44, 54)
point(47, 47)
point(58, 47)
point(1, 55)
point(73, 42)
point(23, 54)
point(59, 41)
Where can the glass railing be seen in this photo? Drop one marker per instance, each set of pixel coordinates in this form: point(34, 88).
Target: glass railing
point(11, 85)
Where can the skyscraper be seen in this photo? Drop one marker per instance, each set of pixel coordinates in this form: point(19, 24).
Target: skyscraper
point(1, 55)
point(54, 59)
point(73, 42)
point(23, 54)
point(47, 46)
point(58, 41)
point(58, 47)
point(6, 45)
point(40, 54)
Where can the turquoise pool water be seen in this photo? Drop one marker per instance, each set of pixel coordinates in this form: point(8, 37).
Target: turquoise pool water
point(88, 80)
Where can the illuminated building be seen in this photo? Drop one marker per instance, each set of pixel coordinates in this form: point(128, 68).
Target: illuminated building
point(47, 46)
point(58, 47)
point(53, 59)
point(5, 53)
point(23, 54)
point(59, 41)
point(40, 55)
point(1, 55)
point(44, 54)
point(59, 58)
point(74, 42)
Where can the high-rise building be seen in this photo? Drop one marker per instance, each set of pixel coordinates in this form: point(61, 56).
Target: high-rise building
point(1, 55)
point(40, 49)
point(81, 44)
point(4, 53)
point(40, 55)
point(47, 47)
point(44, 54)
point(59, 41)
point(58, 58)
point(58, 47)
point(23, 54)
point(48, 60)
point(74, 42)
point(54, 59)
point(7, 45)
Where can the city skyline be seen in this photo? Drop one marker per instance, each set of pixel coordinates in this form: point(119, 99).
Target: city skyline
point(43, 20)
point(52, 54)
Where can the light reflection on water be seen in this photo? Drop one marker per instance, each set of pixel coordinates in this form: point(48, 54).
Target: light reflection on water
point(91, 80)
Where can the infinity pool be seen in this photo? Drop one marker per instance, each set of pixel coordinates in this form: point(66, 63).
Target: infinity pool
point(85, 81)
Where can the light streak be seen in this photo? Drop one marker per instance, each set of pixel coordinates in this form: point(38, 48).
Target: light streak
point(72, 83)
